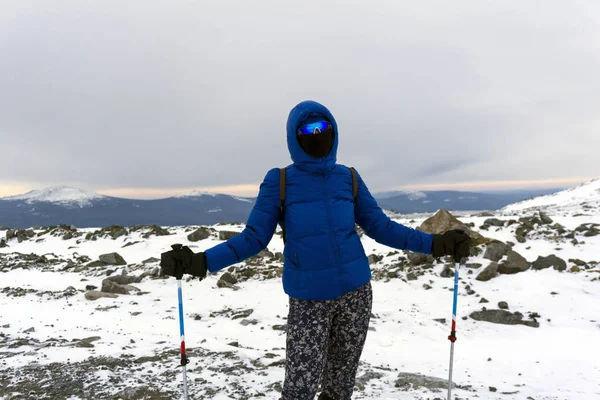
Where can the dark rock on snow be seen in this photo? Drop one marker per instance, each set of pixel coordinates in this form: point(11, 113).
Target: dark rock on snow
point(550, 261)
point(112, 259)
point(513, 264)
point(488, 272)
point(502, 317)
point(495, 251)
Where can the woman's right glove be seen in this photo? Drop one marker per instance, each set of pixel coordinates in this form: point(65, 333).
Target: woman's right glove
point(455, 243)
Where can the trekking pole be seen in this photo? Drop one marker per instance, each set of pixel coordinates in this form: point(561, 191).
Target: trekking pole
point(184, 359)
point(452, 337)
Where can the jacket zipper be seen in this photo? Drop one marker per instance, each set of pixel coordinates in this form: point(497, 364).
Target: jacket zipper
point(331, 233)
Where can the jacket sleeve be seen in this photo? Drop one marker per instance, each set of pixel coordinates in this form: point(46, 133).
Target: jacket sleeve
point(259, 230)
point(378, 226)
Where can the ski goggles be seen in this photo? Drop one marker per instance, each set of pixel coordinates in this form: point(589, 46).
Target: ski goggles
point(314, 128)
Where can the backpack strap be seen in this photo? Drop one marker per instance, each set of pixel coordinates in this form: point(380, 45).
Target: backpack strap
point(282, 184)
point(354, 183)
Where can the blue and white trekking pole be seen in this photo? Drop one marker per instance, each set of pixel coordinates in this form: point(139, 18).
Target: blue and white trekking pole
point(452, 337)
point(184, 359)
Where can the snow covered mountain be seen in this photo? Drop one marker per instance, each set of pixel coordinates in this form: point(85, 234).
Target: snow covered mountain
point(63, 195)
point(583, 198)
point(430, 201)
point(69, 206)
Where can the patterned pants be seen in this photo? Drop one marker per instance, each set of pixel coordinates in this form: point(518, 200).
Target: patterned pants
point(324, 342)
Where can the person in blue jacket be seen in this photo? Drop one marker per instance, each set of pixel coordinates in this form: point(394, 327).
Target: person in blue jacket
point(326, 272)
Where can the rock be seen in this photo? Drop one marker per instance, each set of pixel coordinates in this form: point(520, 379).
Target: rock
point(109, 286)
point(520, 238)
point(495, 251)
point(546, 220)
point(484, 300)
point(91, 287)
point(493, 389)
point(112, 259)
point(70, 291)
point(242, 314)
point(411, 276)
point(226, 281)
point(150, 260)
point(3, 243)
point(443, 221)
point(408, 382)
point(226, 235)
point(475, 251)
point(493, 222)
point(473, 265)
point(592, 232)
point(447, 272)
point(199, 234)
point(87, 342)
point(488, 272)
point(117, 231)
point(502, 317)
point(503, 305)
point(95, 295)
point(374, 258)
point(575, 268)
point(30, 330)
point(577, 262)
point(124, 279)
point(513, 264)
point(551, 261)
point(419, 258)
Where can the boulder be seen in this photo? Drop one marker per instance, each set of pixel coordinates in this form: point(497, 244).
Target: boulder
point(3, 243)
point(109, 286)
point(443, 221)
point(124, 279)
point(545, 219)
point(112, 259)
point(95, 295)
point(199, 234)
point(447, 272)
point(513, 264)
point(493, 222)
point(551, 261)
point(488, 272)
point(226, 281)
point(502, 317)
point(419, 258)
point(409, 381)
point(226, 235)
point(503, 305)
point(495, 251)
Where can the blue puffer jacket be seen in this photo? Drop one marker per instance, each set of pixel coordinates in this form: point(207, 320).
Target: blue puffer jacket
point(324, 257)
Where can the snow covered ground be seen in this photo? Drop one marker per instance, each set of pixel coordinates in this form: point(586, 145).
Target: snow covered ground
point(127, 347)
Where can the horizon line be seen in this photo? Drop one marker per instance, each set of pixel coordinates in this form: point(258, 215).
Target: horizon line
point(251, 190)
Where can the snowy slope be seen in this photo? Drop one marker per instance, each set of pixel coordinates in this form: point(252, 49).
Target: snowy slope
point(57, 194)
point(243, 357)
point(580, 198)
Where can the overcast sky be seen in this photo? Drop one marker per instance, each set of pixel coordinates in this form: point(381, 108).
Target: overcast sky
point(151, 98)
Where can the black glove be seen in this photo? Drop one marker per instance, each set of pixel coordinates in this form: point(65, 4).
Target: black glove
point(182, 260)
point(455, 243)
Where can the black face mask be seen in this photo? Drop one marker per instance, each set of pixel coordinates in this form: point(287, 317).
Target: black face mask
point(317, 145)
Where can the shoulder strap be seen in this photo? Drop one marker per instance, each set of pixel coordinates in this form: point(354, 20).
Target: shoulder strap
point(354, 183)
point(282, 184)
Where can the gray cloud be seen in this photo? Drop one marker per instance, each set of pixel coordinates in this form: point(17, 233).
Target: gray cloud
point(182, 94)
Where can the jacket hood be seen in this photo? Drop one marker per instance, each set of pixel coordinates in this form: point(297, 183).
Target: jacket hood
point(305, 111)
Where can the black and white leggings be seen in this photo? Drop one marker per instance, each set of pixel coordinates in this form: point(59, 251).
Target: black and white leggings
point(324, 343)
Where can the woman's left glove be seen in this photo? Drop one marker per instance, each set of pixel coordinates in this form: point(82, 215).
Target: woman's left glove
point(182, 260)
point(455, 243)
